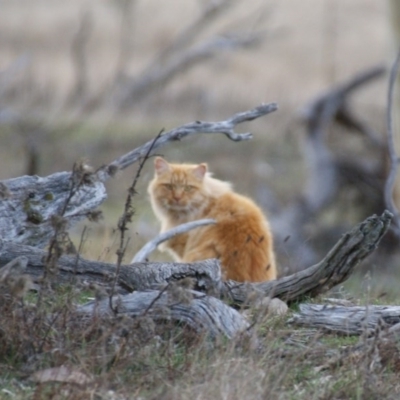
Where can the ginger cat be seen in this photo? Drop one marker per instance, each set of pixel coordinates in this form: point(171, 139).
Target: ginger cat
point(241, 238)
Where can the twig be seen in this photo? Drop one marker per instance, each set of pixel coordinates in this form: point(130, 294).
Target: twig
point(226, 127)
point(126, 218)
point(149, 247)
point(154, 301)
point(321, 111)
point(211, 11)
point(394, 160)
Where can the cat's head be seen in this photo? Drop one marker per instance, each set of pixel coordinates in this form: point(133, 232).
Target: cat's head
point(178, 187)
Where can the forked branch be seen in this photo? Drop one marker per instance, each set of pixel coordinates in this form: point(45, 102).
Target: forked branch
point(226, 127)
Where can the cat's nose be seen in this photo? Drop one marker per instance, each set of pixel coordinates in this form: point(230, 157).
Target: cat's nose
point(177, 196)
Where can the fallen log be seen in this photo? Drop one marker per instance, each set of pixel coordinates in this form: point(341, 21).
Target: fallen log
point(205, 314)
point(138, 276)
point(355, 320)
point(335, 268)
point(174, 302)
point(28, 203)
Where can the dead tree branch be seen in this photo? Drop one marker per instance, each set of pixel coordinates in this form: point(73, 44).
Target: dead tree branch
point(210, 13)
point(181, 55)
point(325, 175)
point(225, 127)
point(158, 76)
point(149, 247)
point(322, 181)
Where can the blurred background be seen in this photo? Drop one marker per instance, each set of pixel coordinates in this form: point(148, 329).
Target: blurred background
point(94, 79)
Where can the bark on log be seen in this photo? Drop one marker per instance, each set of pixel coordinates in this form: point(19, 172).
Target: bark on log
point(28, 202)
point(139, 276)
point(347, 320)
point(202, 313)
point(334, 269)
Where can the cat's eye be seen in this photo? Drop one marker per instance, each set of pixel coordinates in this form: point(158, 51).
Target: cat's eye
point(188, 188)
point(169, 186)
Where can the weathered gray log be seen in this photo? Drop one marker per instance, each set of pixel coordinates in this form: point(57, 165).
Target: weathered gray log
point(138, 276)
point(347, 320)
point(335, 268)
point(173, 302)
point(202, 313)
point(28, 202)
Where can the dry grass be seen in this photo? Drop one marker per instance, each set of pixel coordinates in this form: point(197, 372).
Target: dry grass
point(141, 358)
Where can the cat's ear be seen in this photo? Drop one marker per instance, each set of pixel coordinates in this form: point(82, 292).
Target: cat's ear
point(160, 165)
point(200, 171)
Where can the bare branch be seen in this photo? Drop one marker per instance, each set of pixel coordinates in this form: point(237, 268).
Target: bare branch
point(320, 112)
point(152, 78)
point(226, 127)
point(324, 168)
point(188, 35)
point(394, 161)
point(318, 115)
point(149, 247)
